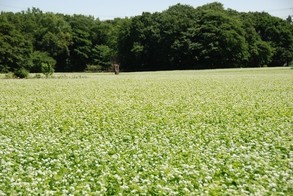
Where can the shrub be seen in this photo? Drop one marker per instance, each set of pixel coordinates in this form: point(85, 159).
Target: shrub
point(9, 75)
point(47, 69)
point(42, 63)
point(93, 68)
point(21, 73)
point(38, 75)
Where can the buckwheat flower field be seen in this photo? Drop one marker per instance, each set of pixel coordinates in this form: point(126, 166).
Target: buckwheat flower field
point(212, 132)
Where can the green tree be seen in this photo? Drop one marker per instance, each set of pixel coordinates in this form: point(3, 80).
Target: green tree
point(15, 49)
point(42, 63)
point(289, 19)
point(81, 45)
point(218, 39)
point(101, 56)
point(174, 48)
point(124, 43)
point(54, 37)
point(181, 37)
point(144, 41)
point(104, 43)
point(260, 52)
point(278, 33)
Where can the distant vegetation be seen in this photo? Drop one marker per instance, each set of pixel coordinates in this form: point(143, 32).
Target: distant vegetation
point(181, 37)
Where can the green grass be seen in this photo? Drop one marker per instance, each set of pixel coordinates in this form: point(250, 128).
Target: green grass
point(177, 133)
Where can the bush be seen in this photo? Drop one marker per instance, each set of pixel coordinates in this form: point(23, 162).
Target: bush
point(21, 73)
point(9, 75)
point(93, 68)
point(37, 75)
point(47, 69)
point(42, 63)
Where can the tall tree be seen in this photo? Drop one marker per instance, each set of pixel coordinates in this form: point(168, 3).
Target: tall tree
point(181, 37)
point(289, 19)
point(218, 38)
point(54, 37)
point(174, 24)
point(279, 34)
point(103, 44)
point(80, 47)
point(15, 49)
point(260, 52)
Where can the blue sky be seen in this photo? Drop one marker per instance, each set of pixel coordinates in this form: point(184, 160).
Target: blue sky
point(109, 9)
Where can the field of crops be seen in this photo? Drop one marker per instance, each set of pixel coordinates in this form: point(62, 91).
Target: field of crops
point(152, 133)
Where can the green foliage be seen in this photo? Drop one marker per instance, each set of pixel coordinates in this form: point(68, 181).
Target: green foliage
point(206, 37)
point(219, 39)
point(15, 50)
point(9, 75)
point(80, 48)
point(54, 36)
point(263, 54)
point(278, 33)
point(101, 55)
point(38, 75)
point(47, 69)
point(42, 63)
point(21, 73)
point(181, 37)
point(260, 52)
point(221, 132)
point(93, 68)
point(289, 19)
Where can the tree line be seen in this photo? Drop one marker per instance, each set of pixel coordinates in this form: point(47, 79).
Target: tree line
point(181, 37)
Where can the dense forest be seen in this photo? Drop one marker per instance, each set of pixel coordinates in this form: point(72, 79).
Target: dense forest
point(181, 37)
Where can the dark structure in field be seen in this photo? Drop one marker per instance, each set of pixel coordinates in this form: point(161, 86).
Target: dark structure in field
point(116, 67)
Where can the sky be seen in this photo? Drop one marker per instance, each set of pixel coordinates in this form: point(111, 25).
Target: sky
point(109, 9)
